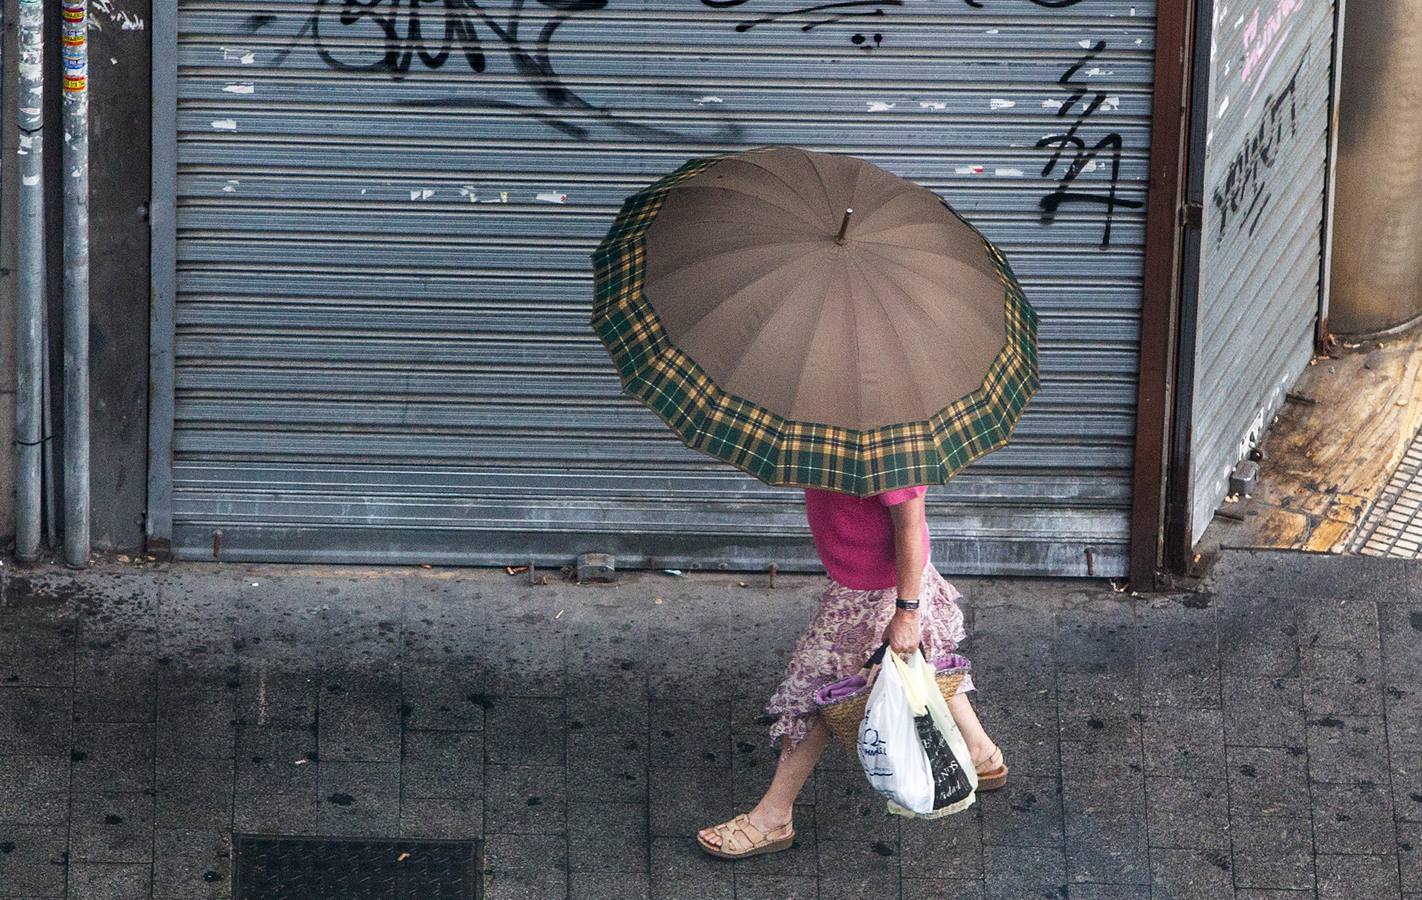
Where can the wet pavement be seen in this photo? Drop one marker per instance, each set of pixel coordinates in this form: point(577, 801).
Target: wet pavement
point(1261, 738)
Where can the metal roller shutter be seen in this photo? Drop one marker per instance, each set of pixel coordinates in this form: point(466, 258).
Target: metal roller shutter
point(384, 215)
point(1265, 167)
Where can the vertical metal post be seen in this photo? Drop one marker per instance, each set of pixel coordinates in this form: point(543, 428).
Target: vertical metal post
point(29, 335)
point(76, 281)
point(1330, 193)
point(163, 268)
point(1160, 304)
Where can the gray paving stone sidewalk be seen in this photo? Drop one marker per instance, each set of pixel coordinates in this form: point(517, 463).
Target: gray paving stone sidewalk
point(1261, 738)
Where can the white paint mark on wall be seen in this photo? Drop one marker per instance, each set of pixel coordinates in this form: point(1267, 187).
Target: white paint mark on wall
point(550, 197)
point(469, 192)
point(231, 186)
point(1111, 104)
point(1010, 173)
point(1084, 44)
point(968, 170)
point(1224, 105)
point(422, 194)
point(1140, 41)
point(245, 57)
point(1091, 166)
point(880, 106)
point(1001, 104)
point(31, 180)
point(702, 101)
point(224, 124)
point(100, 10)
point(1053, 104)
point(240, 87)
point(933, 104)
point(993, 30)
point(1096, 71)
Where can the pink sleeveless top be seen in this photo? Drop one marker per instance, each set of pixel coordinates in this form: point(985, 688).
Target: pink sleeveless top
point(855, 535)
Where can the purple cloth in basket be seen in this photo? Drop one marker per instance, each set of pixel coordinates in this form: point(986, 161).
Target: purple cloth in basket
point(836, 691)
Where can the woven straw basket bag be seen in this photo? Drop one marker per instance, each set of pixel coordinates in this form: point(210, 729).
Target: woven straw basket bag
point(842, 712)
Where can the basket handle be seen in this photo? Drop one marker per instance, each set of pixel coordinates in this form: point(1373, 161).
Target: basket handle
point(877, 657)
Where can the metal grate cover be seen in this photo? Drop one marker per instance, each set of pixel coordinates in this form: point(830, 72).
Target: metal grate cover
point(312, 868)
point(1393, 525)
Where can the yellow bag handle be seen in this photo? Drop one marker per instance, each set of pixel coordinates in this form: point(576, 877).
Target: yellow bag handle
point(913, 687)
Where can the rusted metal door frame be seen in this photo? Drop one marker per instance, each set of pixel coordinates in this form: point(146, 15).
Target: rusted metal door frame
point(1165, 216)
point(1178, 525)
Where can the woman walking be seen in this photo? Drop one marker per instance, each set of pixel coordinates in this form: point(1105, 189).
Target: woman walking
point(821, 323)
point(882, 589)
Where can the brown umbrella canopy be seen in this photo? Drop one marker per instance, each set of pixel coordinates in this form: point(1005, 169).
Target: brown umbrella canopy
point(748, 273)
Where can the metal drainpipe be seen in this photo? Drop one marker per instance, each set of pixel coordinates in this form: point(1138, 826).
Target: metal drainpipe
point(76, 281)
point(29, 333)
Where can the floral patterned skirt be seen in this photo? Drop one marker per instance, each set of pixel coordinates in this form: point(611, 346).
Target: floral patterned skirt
point(848, 626)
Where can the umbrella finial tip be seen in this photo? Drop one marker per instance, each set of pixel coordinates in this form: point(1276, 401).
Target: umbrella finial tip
point(844, 225)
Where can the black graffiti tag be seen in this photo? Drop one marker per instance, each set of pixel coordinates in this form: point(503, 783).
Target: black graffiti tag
point(403, 34)
point(826, 13)
point(432, 32)
point(1082, 156)
point(1243, 196)
point(1046, 4)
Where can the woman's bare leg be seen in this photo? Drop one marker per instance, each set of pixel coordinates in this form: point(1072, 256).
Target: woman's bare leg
point(777, 807)
point(980, 746)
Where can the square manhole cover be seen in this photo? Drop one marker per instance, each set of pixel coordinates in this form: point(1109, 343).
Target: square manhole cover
point(314, 868)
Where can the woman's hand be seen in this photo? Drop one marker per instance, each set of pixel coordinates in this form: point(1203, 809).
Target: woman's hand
point(904, 631)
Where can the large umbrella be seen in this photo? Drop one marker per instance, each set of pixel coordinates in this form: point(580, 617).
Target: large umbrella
point(815, 321)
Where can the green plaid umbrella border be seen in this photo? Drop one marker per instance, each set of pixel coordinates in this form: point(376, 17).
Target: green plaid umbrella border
point(776, 450)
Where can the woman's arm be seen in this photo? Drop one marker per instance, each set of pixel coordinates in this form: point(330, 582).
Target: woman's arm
point(909, 553)
point(903, 632)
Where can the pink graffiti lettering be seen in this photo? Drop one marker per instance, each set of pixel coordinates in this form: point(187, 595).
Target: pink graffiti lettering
point(1259, 40)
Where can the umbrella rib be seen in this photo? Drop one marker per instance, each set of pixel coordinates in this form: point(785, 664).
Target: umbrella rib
point(720, 253)
point(794, 189)
point(695, 323)
point(893, 199)
point(763, 331)
point(816, 227)
point(977, 311)
point(986, 270)
point(824, 188)
point(894, 262)
point(804, 369)
point(923, 403)
point(858, 360)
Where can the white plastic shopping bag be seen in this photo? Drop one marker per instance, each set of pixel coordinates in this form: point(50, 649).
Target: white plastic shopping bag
point(894, 760)
point(955, 780)
point(910, 749)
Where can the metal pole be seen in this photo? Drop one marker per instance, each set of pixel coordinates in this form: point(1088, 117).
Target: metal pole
point(76, 281)
point(29, 335)
point(1330, 188)
point(51, 480)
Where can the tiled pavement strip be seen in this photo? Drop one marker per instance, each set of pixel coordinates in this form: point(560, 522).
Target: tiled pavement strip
point(1261, 739)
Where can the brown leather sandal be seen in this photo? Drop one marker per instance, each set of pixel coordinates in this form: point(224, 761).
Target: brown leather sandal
point(741, 839)
point(992, 777)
